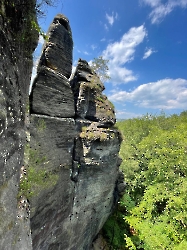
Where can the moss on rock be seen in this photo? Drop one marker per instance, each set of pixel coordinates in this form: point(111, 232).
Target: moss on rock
point(94, 133)
point(35, 177)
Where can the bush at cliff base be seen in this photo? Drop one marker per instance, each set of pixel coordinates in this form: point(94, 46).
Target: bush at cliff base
point(154, 208)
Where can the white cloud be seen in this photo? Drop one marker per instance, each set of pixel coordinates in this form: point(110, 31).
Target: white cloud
point(106, 27)
point(148, 52)
point(152, 3)
point(161, 8)
point(121, 52)
point(86, 52)
point(111, 18)
point(93, 46)
point(120, 74)
point(103, 40)
point(163, 94)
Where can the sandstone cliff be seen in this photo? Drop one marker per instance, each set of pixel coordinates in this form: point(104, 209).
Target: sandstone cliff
point(69, 179)
point(17, 42)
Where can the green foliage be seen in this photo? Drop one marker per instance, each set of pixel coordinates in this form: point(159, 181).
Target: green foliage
point(18, 17)
point(154, 153)
point(99, 65)
point(36, 27)
point(40, 8)
point(114, 230)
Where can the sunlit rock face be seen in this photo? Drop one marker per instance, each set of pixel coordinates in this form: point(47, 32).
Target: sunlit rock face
point(90, 103)
point(73, 149)
point(17, 43)
point(67, 163)
point(51, 93)
point(58, 48)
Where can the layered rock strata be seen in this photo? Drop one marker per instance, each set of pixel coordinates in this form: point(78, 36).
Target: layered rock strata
point(73, 170)
point(60, 178)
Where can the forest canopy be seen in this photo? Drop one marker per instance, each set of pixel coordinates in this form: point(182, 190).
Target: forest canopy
point(153, 212)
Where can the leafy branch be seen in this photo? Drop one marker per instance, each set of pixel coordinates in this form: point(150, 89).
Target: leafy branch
point(100, 66)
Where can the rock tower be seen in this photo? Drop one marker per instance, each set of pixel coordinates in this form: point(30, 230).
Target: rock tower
point(60, 177)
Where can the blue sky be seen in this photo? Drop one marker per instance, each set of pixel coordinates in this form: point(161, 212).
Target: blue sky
point(145, 42)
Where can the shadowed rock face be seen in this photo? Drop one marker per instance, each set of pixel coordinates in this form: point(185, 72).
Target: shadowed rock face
point(17, 43)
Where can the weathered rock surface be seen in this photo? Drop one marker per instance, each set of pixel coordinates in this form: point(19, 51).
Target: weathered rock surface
point(73, 151)
point(90, 103)
point(52, 138)
point(17, 43)
point(52, 95)
point(69, 167)
point(58, 48)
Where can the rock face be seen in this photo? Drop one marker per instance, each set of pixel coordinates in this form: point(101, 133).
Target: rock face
point(17, 43)
point(60, 28)
point(73, 149)
point(59, 179)
point(90, 103)
point(52, 94)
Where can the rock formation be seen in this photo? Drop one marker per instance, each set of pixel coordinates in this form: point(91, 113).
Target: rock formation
point(69, 174)
point(17, 42)
point(73, 149)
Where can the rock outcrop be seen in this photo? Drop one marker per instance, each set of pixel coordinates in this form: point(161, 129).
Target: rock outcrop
point(67, 163)
point(17, 42)
point(73, 149)
point(90, 103)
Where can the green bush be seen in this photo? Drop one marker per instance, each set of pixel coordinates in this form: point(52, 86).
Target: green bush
point(154, 153)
